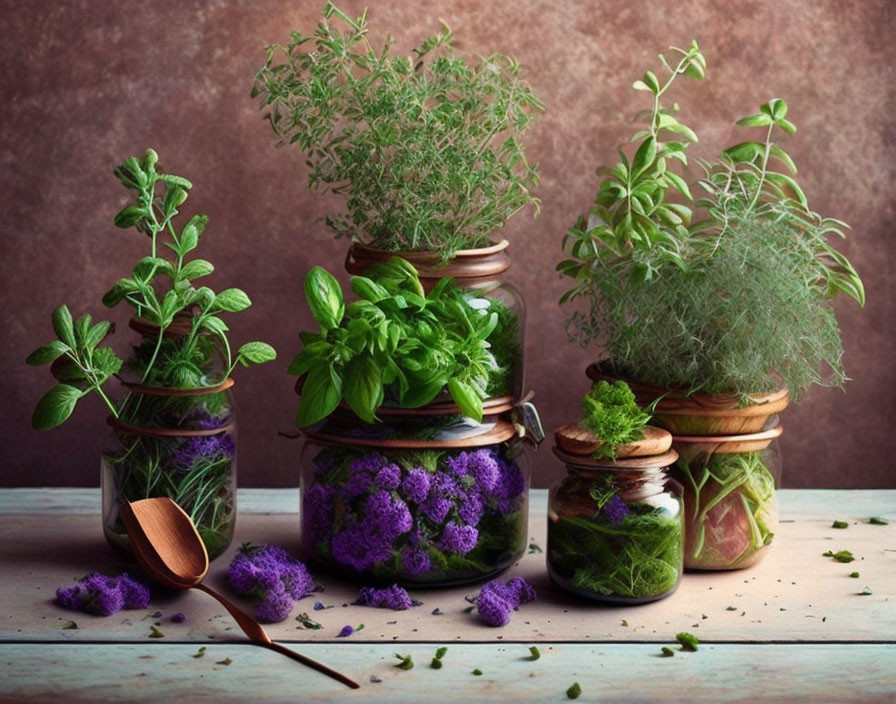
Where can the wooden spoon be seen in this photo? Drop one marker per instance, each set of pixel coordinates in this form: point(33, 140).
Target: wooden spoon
point(169, 549)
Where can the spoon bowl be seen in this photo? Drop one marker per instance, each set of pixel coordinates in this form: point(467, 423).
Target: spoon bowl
point(170, 550)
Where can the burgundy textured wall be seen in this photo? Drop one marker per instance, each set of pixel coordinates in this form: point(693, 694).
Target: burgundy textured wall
point(87, 83)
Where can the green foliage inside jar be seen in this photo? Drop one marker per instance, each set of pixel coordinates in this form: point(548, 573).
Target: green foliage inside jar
point(401, 345)
point(737, 300)
point(426, 150)
point(732, 510)
point(606, 546)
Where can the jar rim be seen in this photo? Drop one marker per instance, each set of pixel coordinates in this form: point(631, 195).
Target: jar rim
point(581, 462)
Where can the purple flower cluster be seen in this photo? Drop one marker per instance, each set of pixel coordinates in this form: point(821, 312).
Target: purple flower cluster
point(209, 448)
point(496, 600)
point(394, 597)
point(269, 574)
point(377, 510)
point(101, 595)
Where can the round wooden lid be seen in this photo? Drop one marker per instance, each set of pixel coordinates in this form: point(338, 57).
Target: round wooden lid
point(587, 462)
point(577, 440)
point(500, 432)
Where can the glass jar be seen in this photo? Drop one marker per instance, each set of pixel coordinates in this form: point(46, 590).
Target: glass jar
point(179, 443)
point(615, 529)
point(731, 510)
point(480, 273)
point(388, 508)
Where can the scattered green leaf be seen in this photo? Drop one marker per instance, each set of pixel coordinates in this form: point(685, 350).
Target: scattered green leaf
point(688, 641)
point(534, 653)
point(840, 524)
point(667, 652)
point(69, 625)
point(840, 555)
point(406, 662)
point(200, 652)
point(225, 661)
point(307, 622)
point(866, 592)
point(574, 691)
point(878, 521)
point(854, 575)
point(154, 632)
point(476, 672)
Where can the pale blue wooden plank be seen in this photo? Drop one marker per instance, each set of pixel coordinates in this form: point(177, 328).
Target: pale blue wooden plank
point(619, 673)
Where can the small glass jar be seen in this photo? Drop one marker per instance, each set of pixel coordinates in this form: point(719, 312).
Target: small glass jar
point(731, 509)
point(434, 512)
point(480, 273)
point(615, 529)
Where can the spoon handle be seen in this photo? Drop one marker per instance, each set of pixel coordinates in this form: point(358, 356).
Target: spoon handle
point(258, 635)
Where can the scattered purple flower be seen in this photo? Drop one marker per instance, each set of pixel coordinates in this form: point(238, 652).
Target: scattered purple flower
point(268, 573)
point(178, 618)
point(345, 632)
point(394, 597)
point(101, 595)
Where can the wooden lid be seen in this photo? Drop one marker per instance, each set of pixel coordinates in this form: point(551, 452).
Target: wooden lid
point(500, 432)
point(587, 462)
point(574, 439)
point(728, 444)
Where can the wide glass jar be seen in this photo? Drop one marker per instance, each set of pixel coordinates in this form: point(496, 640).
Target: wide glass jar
point(731, 509)
point(480, 273)
point(616, 529)
point(384, 505)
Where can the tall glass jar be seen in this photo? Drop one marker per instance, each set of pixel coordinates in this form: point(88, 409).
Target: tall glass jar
point(175, 433)
point(382, 504)
point(615, 529)
point(480, 273)
point(731, 509)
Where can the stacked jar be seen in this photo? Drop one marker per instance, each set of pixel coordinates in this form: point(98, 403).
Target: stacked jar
point(175, 435)
point(427, 496)
point(615, 526)
point(729, 467)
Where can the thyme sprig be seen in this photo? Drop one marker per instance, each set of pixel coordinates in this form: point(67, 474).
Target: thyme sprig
point(426, 149)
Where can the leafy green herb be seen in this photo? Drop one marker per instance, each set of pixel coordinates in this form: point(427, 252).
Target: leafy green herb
point(406, 662)
point(185, 346)
point(611, 413)
point(200, 652)
point(866, 592)
point(574, 691)
point(534, 548)
point(878, 521)
point(440, 653)
point(476, 672)
point(426, 148)
point(854, 575)
point(688, 641)
point(622, 550)
point(534, 653)
point(840, 555)
point(399, 342)
point(840, 524)
point(69, 625)
point(667, 652)
point(225, 661)
point(154, 632)
point(658, 287)
point(307, 622)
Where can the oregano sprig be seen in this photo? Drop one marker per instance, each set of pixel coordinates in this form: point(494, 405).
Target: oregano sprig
point(160, 290)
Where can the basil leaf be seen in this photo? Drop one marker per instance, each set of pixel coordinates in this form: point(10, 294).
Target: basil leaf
point(195, 269)
point(363, 387)
point(320, 395)
point(466, 398)
point(310, 355)
point(324, 298)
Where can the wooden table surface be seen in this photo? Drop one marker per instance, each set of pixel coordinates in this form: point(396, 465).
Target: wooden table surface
point(794, 626)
